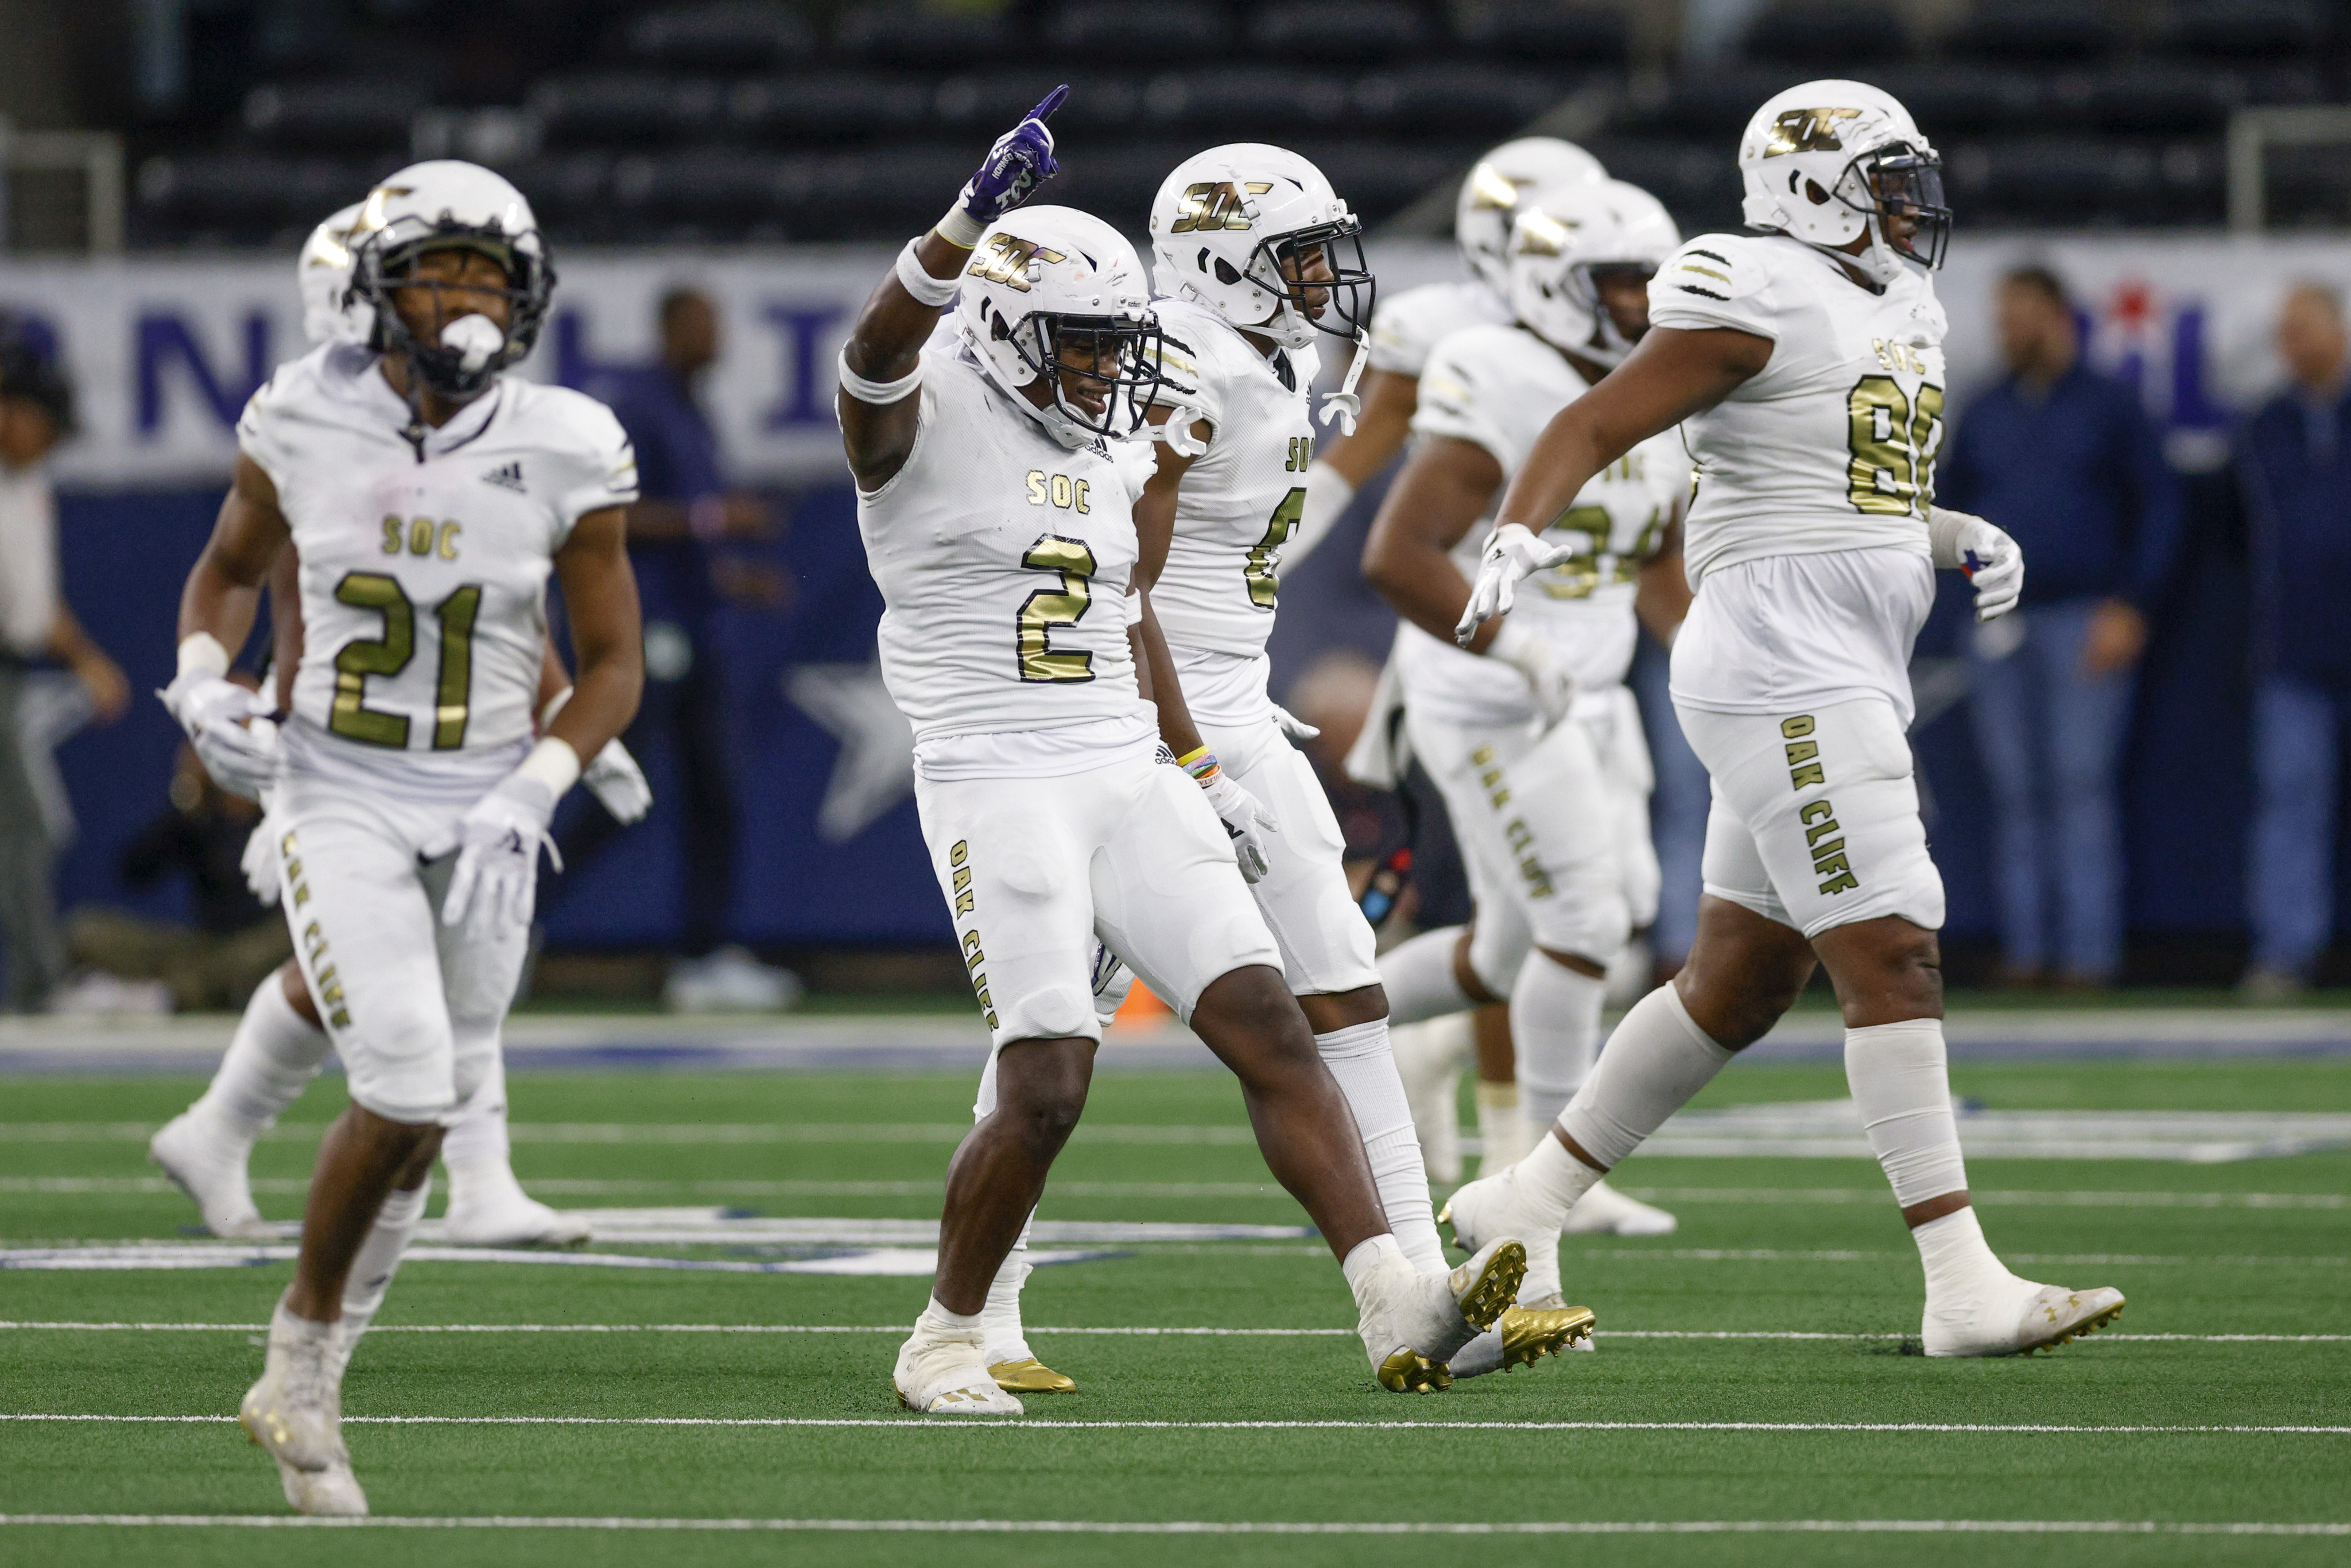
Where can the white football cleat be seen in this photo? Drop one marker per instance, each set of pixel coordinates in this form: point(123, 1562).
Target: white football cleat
point(1605, 1211)
point(1413, 1323)
point(209, 1165)
point(295, 1415)
point(2009, 1316)
point(1491, 1207)
point(488, 1212)
point(947, 1377)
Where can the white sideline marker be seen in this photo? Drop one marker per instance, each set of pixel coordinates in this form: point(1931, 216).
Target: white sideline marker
point(1209, 1527)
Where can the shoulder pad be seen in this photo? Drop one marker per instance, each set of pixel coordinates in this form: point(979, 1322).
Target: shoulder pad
point(1721, 268)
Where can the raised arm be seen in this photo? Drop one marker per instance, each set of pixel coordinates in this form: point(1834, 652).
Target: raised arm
point(877, 400)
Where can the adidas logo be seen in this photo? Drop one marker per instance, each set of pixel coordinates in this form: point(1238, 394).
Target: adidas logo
point(507, 476)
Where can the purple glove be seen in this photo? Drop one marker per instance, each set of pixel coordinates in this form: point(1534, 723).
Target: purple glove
point(1021, 160)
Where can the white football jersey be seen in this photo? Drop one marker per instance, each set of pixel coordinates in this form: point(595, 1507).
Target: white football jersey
point(1496, 387)
point(1406, 326)
point(1004, 559)
point(423, 577)
point(1239, 504)
point(1832, 447)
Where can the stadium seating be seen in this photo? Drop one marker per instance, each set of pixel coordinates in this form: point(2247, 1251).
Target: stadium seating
point(2050, 111)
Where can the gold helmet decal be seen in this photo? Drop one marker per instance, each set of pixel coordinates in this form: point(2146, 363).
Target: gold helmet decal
point(1807, 130)
point(1006, 259)
point(1490, 190)
point(1216, 204)
point(1539, 234)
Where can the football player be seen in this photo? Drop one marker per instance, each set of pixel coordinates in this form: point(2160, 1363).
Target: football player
point(429, 497)
point(998, 522)
point(1408, 327)
point(1807, 362)
point(280, 1044)
point(1534, 742)
point(1259, 257)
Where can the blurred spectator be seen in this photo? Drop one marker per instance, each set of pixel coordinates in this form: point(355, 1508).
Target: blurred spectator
point(35, 413)
point(235, 940)
point(686, 515)
point(2068, 463)
point(2294, 465)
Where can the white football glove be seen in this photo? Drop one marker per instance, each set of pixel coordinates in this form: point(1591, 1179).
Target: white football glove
point(1294, 728)
point(1551, 683)
point(259, 861)
point(1992, 561)
point(1512, 554)
point(1246, 820)
point(495, 882)
point(618, 783)
point(226, 724)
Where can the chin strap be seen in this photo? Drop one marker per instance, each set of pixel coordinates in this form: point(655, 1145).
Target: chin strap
point(1344, 405)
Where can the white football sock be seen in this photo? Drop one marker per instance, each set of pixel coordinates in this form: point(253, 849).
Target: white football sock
point(376, 1262)
point(1360, 1059)
point(1902, 1086)
point(477, 1148)
point(1429, 1058)
point(1555, 1023)
point(1003, 1337)
point(1418, 977)
point(1650, 1068)
point(1549, 1180)
point(271, 1058)
point(1502, 1127)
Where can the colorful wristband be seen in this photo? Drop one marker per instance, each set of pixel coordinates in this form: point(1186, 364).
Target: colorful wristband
point(1200, 763)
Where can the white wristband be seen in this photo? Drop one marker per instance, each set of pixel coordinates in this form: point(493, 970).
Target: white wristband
point(552, 763)
point(880, 394)
point(959, 227)
point(926, 289)
point(200, 653)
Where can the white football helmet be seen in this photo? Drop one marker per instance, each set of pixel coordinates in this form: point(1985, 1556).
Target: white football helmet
point(1232, 225)
point(1566, 233)
point(438, 205)
point(1830, 161)
point(323, 274)
point(1047, 280)
point(1489, 197)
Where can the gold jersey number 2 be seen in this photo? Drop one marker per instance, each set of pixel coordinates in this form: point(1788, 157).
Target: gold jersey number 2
point(1047, 608)
point(1893, 447)
point(387, 656)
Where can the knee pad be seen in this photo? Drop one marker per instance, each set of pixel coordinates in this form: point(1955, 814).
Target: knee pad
point(1496, 948)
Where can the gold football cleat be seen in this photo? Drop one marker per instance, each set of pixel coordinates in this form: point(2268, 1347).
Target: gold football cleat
point(1030, 1375)
point(1409, 1371)
point(1529, 1333)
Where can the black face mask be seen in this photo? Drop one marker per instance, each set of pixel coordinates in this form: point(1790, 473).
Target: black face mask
point(1907, 183)
point(1351, 290)
point(379, 271)
point(1125, 363)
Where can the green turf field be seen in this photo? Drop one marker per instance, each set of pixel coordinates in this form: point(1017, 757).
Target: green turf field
point(1651, 1431)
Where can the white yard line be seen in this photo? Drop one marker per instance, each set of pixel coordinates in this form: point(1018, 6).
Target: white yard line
point(1210, 1527)
point(1027, 1423)
point(1125, 1331)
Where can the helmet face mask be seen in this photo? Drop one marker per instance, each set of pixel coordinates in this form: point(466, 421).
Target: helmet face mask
point(1116, 357)
point(1566, 240)
point(436, 208)
point(1255, 234)
point(1900, 182)
point(1057, 296)
point(1830, 162)
point(1339, 301)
